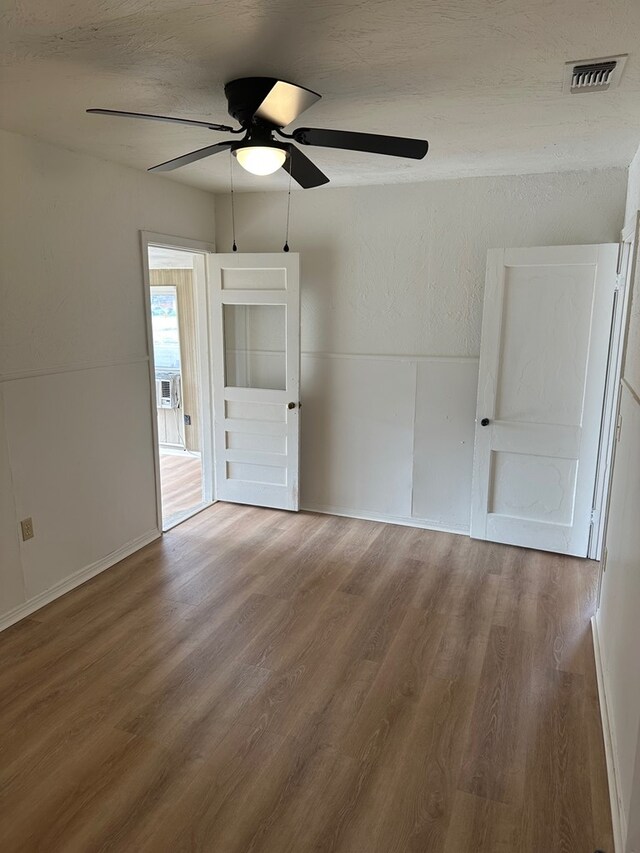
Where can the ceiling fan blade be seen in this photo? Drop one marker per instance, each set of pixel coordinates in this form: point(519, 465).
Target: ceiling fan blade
point(285, 102)
point(200, 154)
point(303, 170)
point(396, 146)
point(209, 125)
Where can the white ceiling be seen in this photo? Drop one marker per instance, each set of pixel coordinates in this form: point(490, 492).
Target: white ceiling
point(480, 79)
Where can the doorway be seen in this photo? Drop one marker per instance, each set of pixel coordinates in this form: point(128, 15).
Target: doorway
point(175, 282)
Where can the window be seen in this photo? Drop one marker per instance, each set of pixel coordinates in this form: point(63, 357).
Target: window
point(164, 322)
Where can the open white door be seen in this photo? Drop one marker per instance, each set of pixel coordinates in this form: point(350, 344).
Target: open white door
point(255, 332)
point(543, 362)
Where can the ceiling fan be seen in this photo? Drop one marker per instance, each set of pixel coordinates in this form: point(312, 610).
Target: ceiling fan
point(263, 106)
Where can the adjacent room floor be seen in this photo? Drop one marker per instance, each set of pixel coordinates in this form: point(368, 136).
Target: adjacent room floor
point(265, 681)
point(181, 479)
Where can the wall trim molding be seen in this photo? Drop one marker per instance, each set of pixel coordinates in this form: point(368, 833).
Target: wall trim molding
point(76, 579)
point(464, 359)
point(403, 521)
point(70, 368)
point(618, 818)
point(383, 357)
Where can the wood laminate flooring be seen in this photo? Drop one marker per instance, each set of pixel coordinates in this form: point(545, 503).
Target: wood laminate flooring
point(181, 485)
point(265, 681)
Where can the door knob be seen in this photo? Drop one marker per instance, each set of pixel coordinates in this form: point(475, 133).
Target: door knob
point(291, 406)
point(484, 422)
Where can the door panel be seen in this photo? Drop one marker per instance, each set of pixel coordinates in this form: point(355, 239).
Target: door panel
point(255, 318)
point(545, 335)
point(255, 346)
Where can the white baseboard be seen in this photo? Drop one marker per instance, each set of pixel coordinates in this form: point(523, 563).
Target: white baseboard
point(618, 817)
point(77, 578)
point(404, 521)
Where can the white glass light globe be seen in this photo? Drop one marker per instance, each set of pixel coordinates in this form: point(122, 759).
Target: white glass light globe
point(260, 159)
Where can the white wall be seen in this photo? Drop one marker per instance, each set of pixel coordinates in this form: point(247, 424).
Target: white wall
point(75, 424)
point(618, 618)
point(392, 286)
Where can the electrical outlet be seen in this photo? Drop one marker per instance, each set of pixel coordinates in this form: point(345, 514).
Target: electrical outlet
point(26, 526)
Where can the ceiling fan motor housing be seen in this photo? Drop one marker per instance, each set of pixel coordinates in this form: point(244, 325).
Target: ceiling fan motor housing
point(244, 97)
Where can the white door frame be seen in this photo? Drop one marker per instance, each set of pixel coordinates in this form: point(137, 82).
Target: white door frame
point(630, 252)
point(200, 249)
point(612, 392)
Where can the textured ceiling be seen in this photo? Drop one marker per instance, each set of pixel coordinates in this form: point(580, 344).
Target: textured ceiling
point(480, 79)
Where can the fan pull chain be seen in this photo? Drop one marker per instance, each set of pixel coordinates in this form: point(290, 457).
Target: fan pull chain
point(233, 210)
point(286, 238)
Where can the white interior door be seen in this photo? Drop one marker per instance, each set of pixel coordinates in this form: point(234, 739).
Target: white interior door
point(543, 361)
point(255, 334)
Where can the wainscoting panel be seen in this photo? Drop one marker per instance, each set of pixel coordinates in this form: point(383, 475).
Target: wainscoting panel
point(389, 437)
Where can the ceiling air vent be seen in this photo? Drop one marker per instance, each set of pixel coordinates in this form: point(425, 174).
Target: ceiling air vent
point(593, 75)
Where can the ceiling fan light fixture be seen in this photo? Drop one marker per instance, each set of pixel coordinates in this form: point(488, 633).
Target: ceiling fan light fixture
point(261, 159)
point(263, 106)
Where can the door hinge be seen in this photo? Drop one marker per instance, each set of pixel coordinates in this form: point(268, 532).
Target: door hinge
point(603, 561)
point(619, 258)
point(595, 515)
point(620, 280)
point(618, 427)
